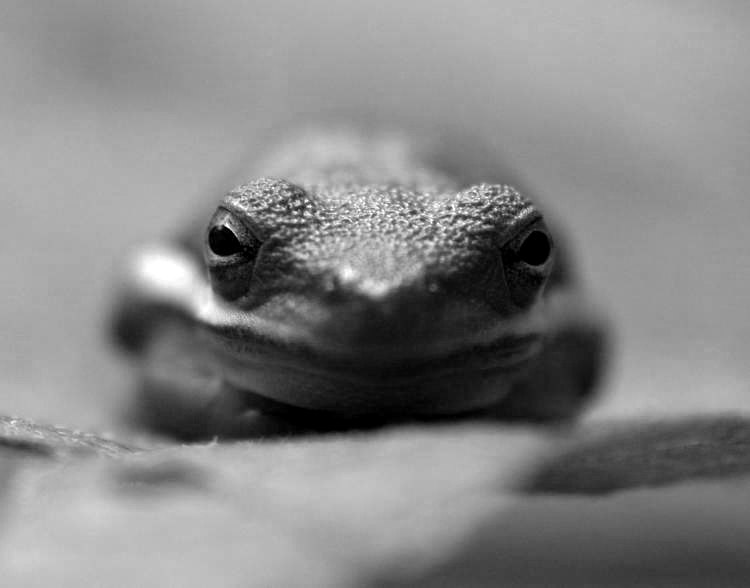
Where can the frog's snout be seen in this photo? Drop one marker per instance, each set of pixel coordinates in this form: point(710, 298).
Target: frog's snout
point(360, 310)
point(374, 308)
point(349, 285)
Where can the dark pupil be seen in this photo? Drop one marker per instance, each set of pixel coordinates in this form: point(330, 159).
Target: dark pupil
point(535, 249)
point(223, 241)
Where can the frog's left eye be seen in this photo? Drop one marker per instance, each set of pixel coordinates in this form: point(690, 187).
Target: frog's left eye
point(527, 263)
point(230, 253)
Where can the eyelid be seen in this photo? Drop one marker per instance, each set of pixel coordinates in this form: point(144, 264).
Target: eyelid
point(245, 233)
point(518, 237)
point(230, 274)
point(240, 215)
point(519, 226)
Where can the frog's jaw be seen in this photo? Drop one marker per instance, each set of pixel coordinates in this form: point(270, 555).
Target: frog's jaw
point(297, 364)
point(439, 386)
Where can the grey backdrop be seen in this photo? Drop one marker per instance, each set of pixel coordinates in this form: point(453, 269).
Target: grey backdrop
point(631, 118)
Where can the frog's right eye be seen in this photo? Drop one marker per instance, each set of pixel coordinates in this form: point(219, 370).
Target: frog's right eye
point(535, 249)
point(230, 252)
point(527, 262)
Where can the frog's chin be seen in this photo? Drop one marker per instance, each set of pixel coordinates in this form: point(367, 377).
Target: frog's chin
point(327, 403)
point(422, 395)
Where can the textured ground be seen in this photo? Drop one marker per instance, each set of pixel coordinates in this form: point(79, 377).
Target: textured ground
point(630, 119)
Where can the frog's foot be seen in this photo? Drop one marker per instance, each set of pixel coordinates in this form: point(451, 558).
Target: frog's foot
point(564, 378)
point(208, 408)
point(199, 408)
point(180, 396)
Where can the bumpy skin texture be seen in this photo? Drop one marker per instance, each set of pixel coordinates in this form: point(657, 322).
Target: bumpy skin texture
point(358, 283)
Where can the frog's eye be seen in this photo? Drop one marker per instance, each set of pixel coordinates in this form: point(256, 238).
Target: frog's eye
point(223, 242)
point(527, 262)
point(230, 252)
point(535, 249)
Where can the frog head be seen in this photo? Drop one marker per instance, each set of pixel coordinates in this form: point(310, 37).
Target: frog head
point(374, 297)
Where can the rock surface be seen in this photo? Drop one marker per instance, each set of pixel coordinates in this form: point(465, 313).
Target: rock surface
point(425, 506)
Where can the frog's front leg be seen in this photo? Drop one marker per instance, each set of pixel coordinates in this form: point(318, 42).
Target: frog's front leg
point(181, 395)
point(563, 379)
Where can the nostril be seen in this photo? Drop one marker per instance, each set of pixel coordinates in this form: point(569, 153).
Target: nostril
point(361, 309)
point(330, 284)
point(347, 284)
point(339, 287)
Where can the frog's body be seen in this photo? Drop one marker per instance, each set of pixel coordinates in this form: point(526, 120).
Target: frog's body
point(362, 284)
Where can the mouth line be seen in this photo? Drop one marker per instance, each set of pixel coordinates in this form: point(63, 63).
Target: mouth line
point(369, 368)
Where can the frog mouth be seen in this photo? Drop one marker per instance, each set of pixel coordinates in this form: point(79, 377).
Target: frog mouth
point(392, 364)
point(293, 363)
point(286, 330)
point(360, 384)
point(271, 344)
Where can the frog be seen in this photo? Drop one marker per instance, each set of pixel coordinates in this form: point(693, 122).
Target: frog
point(357, 278)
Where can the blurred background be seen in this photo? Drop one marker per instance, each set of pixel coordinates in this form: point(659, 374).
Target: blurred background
point(631, 119)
